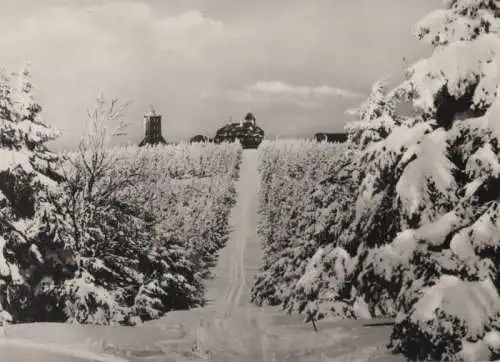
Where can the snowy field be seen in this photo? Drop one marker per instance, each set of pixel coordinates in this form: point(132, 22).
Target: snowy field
point(227, 329)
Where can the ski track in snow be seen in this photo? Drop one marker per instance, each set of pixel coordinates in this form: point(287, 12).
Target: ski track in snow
point(238, 241)
point(228, 328)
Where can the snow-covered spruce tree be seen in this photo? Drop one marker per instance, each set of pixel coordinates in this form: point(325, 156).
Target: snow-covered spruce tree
point(380, 138)
point(322, 282)
point(386, 142)
point(198, 218)
point(326, 288)
point(374, 117)
point(190, 190)
point(443, 170)
point(455, 254)
point(126, 272)
point(35, 240)
point(275, 204)
point(290, 170)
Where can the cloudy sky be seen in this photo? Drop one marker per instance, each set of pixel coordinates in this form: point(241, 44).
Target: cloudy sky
point(296, 64)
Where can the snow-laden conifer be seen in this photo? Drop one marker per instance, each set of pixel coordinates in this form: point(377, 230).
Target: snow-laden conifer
point(35, 241)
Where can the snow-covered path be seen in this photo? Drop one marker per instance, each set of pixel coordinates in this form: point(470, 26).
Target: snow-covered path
point(242, 253)
point(228, 328)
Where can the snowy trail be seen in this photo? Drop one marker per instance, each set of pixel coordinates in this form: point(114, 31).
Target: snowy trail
point(233, 317)
point(228, 328)
point(242, 227)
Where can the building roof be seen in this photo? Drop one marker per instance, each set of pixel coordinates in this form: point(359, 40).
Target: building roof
point(240, 129)
point(199, 138)
point(331, 137)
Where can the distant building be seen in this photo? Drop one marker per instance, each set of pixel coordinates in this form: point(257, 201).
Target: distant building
point(199, 138)
point(152, 129)
point(330, 137)
point(247, 132)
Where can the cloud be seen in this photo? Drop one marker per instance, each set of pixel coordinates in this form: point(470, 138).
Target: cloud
point(105, 28)
point(124, 49)
point(281, 88)
point(267, 92)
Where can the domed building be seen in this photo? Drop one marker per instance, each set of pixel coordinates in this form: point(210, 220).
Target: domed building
point(330, 137)
point(247, 132)
point(199, 138)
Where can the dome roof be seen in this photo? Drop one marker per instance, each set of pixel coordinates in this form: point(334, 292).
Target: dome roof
point(240, 129)
point(247, 133)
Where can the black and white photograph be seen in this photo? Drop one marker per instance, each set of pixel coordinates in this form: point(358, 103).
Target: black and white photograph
point(249, 180)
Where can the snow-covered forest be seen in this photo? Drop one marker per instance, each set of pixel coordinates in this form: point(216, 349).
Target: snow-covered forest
point(406, 223)
point(400, 222)
point(104, 235)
